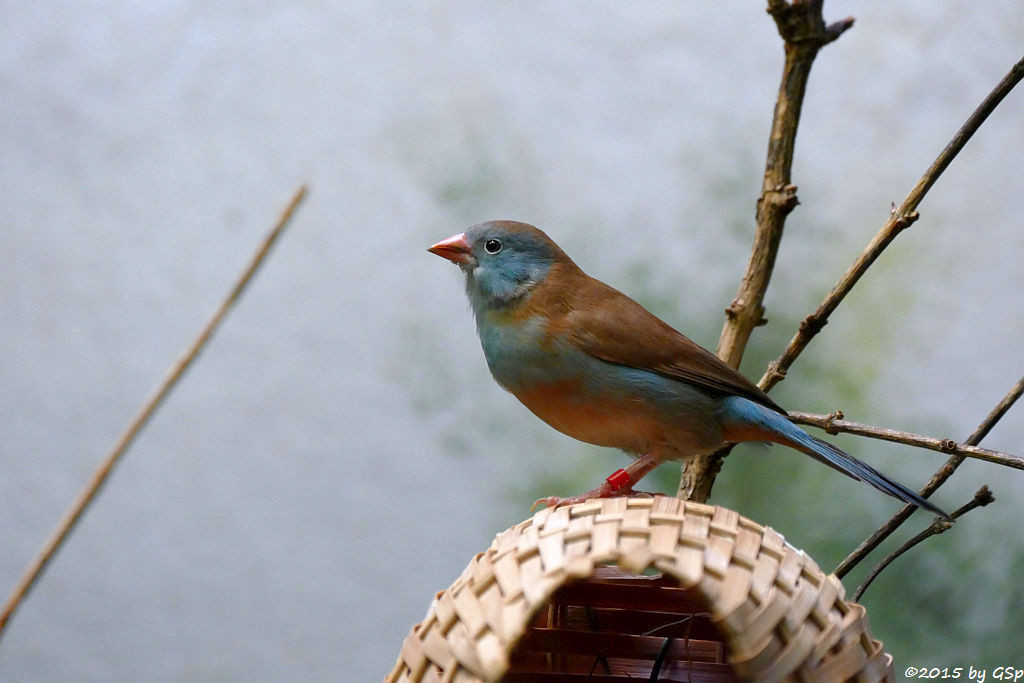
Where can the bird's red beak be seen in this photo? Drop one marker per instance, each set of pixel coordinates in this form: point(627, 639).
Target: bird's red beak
point(455, 248)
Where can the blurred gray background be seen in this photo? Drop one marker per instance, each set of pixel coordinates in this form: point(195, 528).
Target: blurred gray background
point(340, 451)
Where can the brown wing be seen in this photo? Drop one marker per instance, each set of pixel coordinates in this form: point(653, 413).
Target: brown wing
point(614, 328)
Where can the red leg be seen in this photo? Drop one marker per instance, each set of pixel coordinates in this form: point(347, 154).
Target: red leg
point(620, 483)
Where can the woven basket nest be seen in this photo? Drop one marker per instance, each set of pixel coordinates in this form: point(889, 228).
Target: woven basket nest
point(611, 590)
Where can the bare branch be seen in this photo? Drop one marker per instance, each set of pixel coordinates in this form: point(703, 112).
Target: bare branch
point(981, 498)
point(834, 424)
point(901, 217)
point(937, 480)
point(804, 32)
point(102, 473)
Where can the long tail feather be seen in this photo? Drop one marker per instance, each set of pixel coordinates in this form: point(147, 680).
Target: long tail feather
point(780, 430)
point(861, 471)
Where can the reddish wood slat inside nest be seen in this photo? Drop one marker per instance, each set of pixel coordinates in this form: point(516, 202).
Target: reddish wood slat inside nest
point(613, 626)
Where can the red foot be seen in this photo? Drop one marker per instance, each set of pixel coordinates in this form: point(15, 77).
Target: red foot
point(605, 490)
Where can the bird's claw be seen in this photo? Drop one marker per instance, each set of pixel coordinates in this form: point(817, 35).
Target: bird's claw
point(603, 491)
point(557, 501)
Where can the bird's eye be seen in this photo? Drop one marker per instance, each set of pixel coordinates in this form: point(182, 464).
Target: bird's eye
point(492, 246)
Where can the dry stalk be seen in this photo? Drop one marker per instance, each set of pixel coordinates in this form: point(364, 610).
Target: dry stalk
point(102, 472)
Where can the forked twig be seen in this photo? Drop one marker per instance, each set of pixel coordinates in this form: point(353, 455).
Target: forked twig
point(937, 480)
point(102, 473)
point(981, 498)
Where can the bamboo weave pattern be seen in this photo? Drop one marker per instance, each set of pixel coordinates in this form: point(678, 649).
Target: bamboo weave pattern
point(779, 615)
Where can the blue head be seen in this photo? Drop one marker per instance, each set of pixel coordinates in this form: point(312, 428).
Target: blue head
point(502, 261)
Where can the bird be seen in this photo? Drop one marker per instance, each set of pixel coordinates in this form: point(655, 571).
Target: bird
point(596, 365)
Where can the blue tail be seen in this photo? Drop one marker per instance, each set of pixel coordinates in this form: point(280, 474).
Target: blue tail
point(745, 415)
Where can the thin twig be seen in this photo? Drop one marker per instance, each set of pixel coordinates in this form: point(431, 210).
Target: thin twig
point(982, 498)
point(804, 33)
point(937, 480)
point(834, 424)
point(900, 218)
point(102, 473)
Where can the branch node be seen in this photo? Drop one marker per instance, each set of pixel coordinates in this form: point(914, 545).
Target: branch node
point(782, 196)
point(789, 199)
point(948, 445)
point(801, 23)
point(984, 496)
point(905, 221)
point(830, 422)
point(837, 28)
point(812, 324)
point(775, 372)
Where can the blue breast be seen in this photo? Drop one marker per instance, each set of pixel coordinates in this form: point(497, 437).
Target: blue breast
point(519, 356)
point(594, 400)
